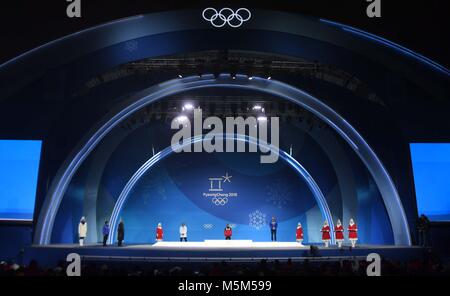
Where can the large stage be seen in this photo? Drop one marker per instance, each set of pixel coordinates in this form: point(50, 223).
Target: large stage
point(213, 251)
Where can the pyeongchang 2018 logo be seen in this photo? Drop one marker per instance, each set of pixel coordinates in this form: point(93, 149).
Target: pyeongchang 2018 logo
point(225, 140)
point(216, 192)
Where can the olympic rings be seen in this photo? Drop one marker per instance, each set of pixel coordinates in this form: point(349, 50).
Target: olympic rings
point(208, 226)
point(219, 201)
point(226, 16)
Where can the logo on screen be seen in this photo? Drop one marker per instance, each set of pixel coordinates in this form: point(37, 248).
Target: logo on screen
point(216, 192)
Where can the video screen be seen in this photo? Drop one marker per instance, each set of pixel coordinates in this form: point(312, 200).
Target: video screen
point(431, 168)
point(19, 168)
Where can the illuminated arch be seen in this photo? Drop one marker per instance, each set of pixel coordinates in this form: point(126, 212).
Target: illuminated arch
point(312, 185)
point(382, 178)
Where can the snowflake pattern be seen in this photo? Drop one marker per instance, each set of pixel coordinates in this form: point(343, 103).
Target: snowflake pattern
point(151, 193)
point(154, 187)
point(257, 219)
point(279, 194)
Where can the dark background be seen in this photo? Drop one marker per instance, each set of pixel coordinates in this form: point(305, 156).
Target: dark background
point(421, 25)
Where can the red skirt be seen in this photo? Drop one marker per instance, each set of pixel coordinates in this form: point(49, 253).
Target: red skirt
point(352, 234)
point(339, 235)
point(159, 234)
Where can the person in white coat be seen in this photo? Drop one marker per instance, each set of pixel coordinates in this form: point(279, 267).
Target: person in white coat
point(82, 230)
point(183, 232)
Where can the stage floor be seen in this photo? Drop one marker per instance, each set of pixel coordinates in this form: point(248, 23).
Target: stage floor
point(213, 250)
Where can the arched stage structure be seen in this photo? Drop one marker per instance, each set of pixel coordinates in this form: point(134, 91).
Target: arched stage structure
point(67, 63)
point(315, 189)
point(357, 143)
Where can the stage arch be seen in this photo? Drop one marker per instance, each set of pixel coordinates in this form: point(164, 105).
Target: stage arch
point(92, 51)
point(306, 176)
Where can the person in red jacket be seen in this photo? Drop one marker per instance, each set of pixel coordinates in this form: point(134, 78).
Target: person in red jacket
point(352, 232)
point(228, 232)
point(326, 234)
point(339, 233)
point(299, 234)
point(159, 233)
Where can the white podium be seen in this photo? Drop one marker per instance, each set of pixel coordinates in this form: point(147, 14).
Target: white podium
point(228, 244)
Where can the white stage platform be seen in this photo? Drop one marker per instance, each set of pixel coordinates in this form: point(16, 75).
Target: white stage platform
point(229, 244)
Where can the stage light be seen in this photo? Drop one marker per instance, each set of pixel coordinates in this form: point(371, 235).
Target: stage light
point(262, 118)
point(188, 106)
point(270, 77)
point(250, 78)
point(182, 118)
point(257, 107)
point(180, 76)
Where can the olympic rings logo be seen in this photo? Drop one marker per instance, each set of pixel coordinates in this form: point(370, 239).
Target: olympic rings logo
point(226, 16)
point(219, 201)
point(208, 226)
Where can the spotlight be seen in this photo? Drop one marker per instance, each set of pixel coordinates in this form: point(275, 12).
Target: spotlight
point(262, 118)
point(250, 78)
point(257, 107)
point(182, 118)
point(270, 77)
point(180, 76)
point(188, 106)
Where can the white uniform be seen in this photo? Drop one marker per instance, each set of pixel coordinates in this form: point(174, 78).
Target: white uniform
point(183, 231)
point(82, 232)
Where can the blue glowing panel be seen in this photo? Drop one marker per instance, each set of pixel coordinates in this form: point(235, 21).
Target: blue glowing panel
point(431, 168)
point(19, 167)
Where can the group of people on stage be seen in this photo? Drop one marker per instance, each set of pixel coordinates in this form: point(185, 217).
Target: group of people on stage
point(82, 232)
point(339, 233)
point(228, 232)
point(326, 232)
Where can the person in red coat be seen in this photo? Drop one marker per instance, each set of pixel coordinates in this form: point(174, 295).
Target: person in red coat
point(299, 234)
point(352, 232)
point(228, 232)
point(339, 233)
point(326, 234)
point(159, 233)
